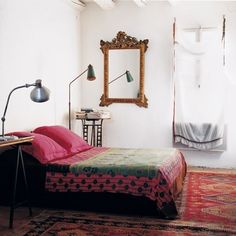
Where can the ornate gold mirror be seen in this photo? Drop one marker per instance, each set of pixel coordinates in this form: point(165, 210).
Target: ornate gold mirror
point(124, 57)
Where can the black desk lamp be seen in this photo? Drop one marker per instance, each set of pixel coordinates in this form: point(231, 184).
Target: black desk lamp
point(90, 76)
point(128, 77)
point(38, 94)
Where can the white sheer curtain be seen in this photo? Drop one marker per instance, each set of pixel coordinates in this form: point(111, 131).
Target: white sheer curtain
point(200, 88)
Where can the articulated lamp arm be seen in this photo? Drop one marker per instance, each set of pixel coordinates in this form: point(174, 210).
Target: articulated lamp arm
point(36, 96)
point(90, 76)
point(70, 96)
point(6, 106)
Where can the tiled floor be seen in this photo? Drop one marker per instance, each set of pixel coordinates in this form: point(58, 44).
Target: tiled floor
point(21, 217)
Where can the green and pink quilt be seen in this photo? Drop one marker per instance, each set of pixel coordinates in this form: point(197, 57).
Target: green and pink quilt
point(156, 174)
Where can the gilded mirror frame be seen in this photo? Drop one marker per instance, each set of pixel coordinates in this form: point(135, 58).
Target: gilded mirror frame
point(123, 41)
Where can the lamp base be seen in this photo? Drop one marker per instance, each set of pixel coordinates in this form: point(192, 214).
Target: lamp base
point(8, 138)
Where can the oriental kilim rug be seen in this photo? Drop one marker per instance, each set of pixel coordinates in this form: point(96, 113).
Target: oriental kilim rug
point(207, 206)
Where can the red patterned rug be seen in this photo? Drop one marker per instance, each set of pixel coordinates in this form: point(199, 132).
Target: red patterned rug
point(207, 206)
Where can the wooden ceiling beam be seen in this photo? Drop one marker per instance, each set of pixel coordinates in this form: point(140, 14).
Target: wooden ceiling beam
point(140, 3)
point(105, 4)
point(173, 2)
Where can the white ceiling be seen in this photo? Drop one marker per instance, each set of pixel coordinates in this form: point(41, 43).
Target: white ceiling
point(106, 4)
point(109, 4)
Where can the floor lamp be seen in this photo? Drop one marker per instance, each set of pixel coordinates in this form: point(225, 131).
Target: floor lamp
point(90, 77)
point(38, 94)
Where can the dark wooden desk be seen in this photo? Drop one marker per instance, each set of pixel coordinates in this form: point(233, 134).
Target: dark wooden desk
point(19, 161)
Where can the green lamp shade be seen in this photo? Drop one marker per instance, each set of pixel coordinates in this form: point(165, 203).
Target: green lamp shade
point(91, 75)
point(129, 77)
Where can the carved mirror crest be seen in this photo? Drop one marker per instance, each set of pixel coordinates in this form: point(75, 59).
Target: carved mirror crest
point(124, 55)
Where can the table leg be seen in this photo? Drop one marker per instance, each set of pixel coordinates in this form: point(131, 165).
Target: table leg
point(13, 203)
point(26, 183)
point(14, 190)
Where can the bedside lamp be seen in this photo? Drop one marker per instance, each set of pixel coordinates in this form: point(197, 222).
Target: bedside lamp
point(38, 94)
point(128, 77)
point(90, 76)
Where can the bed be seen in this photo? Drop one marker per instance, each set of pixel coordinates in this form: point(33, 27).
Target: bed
point(70, 165)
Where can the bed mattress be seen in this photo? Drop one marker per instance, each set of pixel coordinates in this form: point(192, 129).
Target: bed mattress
point(156, 174)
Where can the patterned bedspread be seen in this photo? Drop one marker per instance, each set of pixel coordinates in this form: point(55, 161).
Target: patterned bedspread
point(157, 174)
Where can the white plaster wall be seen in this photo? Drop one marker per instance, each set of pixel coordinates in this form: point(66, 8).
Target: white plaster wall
point(130, 125)
point(39, 39)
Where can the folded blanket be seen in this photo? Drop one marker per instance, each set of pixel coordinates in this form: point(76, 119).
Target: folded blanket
point(200, 136)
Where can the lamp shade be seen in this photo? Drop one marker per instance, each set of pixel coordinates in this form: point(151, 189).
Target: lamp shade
point(91, 75)
point(39, 93)
point(129, 77)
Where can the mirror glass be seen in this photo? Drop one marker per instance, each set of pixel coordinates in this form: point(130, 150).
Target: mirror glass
point(121, 61)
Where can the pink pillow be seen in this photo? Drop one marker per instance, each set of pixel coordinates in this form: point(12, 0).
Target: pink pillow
point(66, 138)
point(43, 148)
